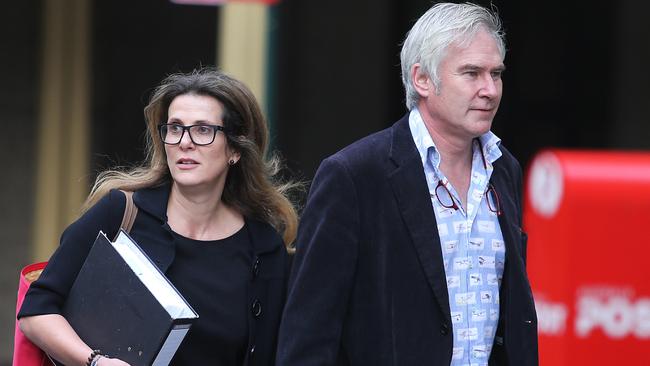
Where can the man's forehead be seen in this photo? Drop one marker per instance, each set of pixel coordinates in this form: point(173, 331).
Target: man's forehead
point(481, 50)
point(481, 66)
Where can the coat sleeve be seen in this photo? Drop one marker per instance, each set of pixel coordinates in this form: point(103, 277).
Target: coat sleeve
point(323, 270)
point(47, 295)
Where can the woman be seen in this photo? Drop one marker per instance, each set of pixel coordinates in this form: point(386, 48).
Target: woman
point(209, 215)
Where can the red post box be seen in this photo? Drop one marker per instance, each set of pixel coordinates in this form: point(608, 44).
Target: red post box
point(587, 215)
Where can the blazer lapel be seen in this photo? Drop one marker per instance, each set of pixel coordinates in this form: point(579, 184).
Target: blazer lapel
point(409, 186)
point(508, 221)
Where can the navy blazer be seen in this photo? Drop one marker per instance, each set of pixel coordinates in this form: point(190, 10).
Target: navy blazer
point(269, 266)
point(368, 285)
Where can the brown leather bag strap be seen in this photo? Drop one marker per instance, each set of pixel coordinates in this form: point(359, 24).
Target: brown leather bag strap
point(130, 212)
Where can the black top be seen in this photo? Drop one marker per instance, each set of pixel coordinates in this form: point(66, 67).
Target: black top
point(267, 268)
point(220, 268)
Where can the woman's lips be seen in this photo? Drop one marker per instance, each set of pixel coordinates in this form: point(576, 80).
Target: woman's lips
point(186, 163)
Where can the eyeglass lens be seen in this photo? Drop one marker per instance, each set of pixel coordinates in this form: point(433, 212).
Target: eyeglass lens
point(444, 196)
point(492, 199)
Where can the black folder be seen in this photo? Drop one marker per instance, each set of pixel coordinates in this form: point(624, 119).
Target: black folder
point(123, 305)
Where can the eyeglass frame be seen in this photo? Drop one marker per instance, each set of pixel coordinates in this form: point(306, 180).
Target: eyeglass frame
point(454, 205)
point(490, 187)
point(215, 129)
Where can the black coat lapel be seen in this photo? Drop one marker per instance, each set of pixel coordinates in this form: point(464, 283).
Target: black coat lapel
point(409, 186)
point(509, 220)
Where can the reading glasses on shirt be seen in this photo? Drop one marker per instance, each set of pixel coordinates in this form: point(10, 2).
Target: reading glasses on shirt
point(201, 135)
point(446, 200)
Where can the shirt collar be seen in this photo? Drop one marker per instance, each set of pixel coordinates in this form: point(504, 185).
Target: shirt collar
point(490, 143)
point(154, 201)
point(427, 148)
point(422, 139)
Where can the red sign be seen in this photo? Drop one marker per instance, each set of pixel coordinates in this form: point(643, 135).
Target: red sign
point(587, 216)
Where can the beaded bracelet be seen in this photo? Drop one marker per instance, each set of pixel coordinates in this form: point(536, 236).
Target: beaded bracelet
point(96, 360)
point(93, 355)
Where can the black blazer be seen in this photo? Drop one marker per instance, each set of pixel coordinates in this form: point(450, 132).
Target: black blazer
point(368, 284)
point(268, 274)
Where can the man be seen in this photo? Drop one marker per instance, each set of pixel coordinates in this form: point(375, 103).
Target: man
point(410, 250)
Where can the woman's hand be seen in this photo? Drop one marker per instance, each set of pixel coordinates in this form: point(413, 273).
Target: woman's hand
point(106, 361)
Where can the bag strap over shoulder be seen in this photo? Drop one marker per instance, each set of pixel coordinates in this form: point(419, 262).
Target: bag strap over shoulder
point(130, 212)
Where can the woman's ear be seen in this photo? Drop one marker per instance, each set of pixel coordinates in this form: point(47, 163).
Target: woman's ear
point(234, 157)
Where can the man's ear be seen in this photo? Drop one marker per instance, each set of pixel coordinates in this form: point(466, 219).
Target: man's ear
point(421, 80)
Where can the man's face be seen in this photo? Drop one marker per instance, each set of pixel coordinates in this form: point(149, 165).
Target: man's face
point(470, 90)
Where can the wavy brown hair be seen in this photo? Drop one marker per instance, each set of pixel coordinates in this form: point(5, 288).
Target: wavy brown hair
point(252, 186)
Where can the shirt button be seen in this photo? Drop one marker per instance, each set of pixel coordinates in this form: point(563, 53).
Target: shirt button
point(256, 267)
point(252, 350)
point(256, 308)
point(444, 329)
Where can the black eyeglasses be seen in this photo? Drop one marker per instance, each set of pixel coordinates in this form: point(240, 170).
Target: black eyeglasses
point(447, 200)
point(172, 133)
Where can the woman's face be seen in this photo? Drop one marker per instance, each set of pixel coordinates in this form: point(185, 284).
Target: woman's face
point(192, 165)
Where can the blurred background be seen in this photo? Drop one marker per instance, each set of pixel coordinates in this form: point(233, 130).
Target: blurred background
point(76, 75)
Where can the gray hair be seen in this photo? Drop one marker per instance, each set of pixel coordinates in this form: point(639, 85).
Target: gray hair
point(442, 25)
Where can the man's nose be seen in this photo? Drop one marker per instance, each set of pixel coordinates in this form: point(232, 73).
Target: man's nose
point(490, 87)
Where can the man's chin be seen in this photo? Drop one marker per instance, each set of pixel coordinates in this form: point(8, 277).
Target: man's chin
point(482, 127)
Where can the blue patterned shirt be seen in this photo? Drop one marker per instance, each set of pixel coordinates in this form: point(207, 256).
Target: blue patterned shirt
point(472, 245)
